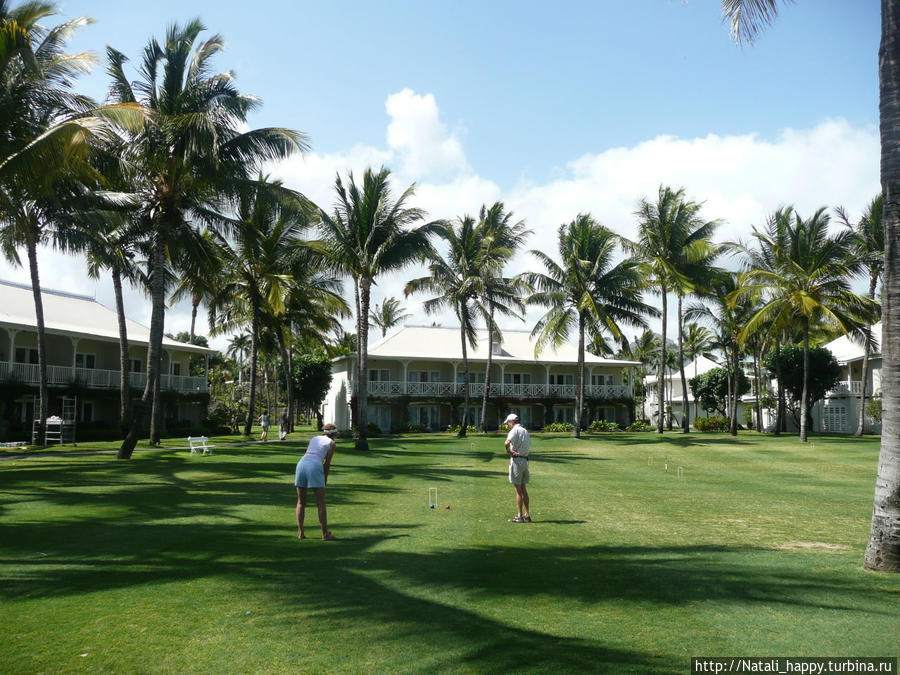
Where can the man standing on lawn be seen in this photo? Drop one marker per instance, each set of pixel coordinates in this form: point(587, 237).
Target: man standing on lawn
point(518, 445)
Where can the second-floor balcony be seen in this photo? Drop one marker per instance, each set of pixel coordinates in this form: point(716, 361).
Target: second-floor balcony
point(849, 388)
point(94, 378)
point(518, 391)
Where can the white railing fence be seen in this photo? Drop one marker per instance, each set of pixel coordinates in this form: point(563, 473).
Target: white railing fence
point(399, 388)
point(96, 378)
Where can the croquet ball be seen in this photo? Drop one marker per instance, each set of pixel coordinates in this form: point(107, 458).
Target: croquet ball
point(431, 507)
point(448, 506)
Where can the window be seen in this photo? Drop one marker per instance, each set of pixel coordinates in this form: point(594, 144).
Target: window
point(136, 365)
point(426, 416)
point(601, 379)
point(176, 369)
point(517, 378)
point(524, 415)
point(562, 378)
point(475, 377)
point(423, 376)
point(26, 355)
point(87, 411)
point(564, 414)
point(379, 375)
point(834, 418)
point(83, 360)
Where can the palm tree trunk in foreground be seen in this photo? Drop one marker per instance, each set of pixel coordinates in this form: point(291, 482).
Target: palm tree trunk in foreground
point(579, 383)
point(883, 550)
point(861, 429)
point(487, 371)
point(362, 339)
point(42, 343)
point(254, 362)
point(463, 425)
point(660, 383)
point(124, 360)
point(154, 347)
point(685, 408)
point(779, 406)
point(804, 397)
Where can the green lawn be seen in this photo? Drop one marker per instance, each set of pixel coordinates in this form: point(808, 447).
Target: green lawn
point(173, 563)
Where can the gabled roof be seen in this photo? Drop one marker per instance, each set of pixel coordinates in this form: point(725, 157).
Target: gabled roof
point(698, 366)
point(439, 343)
point(73, 315)
point(845, 350)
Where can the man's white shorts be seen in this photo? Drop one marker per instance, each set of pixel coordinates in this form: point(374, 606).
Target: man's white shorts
point(518, 471)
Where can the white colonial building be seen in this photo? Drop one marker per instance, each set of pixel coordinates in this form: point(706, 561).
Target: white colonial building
point(839, 410)
point(416, 377)
point(82, 343)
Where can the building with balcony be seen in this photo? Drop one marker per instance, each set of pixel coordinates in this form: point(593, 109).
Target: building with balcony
point(82, 345)
point(416, 377)
point(839, 410)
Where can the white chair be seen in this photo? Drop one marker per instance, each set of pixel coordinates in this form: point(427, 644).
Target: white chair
point(200, 443)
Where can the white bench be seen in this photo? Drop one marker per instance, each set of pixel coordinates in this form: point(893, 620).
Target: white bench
point(200, 443)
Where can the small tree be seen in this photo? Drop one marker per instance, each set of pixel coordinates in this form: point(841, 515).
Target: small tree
point(312, 379)
point(823, 375)
point(712, 388)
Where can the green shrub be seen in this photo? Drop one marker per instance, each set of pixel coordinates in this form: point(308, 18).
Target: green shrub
point(559, 426)
point(373, 429)
point(603, 425)
point(409, 429)
point(874, 409)
point(640, 425)
point(454, 429)
point(711, 423)
point(504, 428)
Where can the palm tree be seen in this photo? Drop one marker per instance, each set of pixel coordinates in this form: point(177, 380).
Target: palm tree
point(47, 137)
point(674, 244)
point(190, 153)
point(370, 233)
point(257, 255)
point(643, 349)
point(870, 250)
point(809, 282)
point(883, 550)
point(500, 239)
point(698, 341)
point(387, 315)
point(588, 293)
point(726, 316)
point(238, 349)
point(453, 279)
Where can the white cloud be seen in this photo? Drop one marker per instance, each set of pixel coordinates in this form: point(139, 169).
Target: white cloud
point(739, 178)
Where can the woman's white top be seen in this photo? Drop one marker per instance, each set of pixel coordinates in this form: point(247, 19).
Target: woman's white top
point(318, 448)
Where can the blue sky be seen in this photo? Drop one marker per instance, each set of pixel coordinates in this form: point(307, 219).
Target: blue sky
point(555, 109)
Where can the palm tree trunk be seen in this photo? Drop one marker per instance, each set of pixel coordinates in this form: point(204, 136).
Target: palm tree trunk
point(733, 426)
point(463, 425)
point(756, 377)
point(288, 385)
point(804, 397)
point(579, 382)
point(195, 304)
point(779, 407)
point(43, 408)
point(685, 409)
point(124, 360)
point(661, 384)
point(362, 339)
point(861, 428)
point(254, 361)
point(883, 550)
point(156, 419)
point(154, 346)
point(487, 370)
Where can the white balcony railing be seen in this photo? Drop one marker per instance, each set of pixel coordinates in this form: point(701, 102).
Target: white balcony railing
point(854, 387)
point(95, 378)
point(439, 389)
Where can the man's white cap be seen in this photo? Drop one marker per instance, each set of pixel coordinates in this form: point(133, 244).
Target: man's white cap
point(512, 417)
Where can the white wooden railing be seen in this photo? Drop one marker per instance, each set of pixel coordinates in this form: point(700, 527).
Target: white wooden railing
point(398, 388)
point(95, 378)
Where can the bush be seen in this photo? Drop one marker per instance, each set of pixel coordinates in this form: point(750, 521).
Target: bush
point(711, 423)
point(373, 429)
point(409, 429)
point(504, 428)
point(603, 425)
point(640, 425)
point(874, 409)
point(454, 429)
point(559, 426)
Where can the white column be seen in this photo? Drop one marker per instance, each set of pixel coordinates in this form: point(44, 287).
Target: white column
point(405, 386)
point(206, 368)
point(502, 377)
point(12, 347)
point(455, 365)
point(590, 379)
